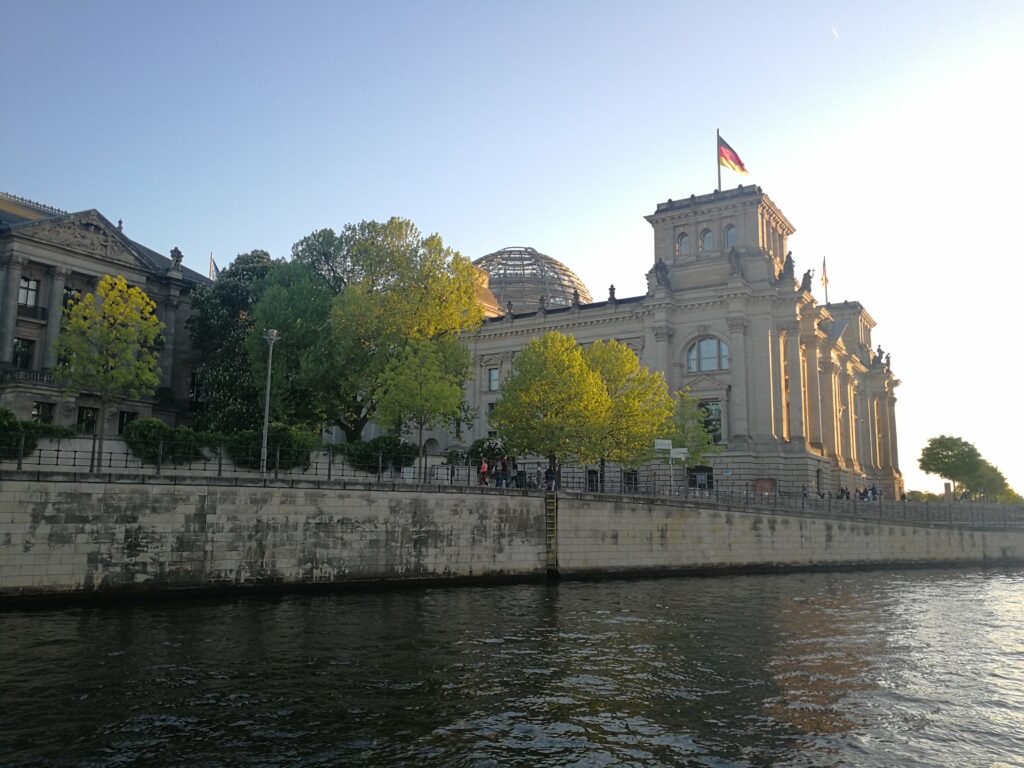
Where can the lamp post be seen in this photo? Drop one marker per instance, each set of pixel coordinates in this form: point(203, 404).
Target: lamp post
point(271, 336)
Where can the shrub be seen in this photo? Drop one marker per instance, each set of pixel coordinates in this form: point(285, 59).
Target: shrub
point(12, 431)
point(293, 443)
point(490, 448)
point(152, 440)
point(386, 452)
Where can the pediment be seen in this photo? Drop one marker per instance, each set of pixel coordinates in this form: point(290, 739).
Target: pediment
point(87, 233)
point(702, 383)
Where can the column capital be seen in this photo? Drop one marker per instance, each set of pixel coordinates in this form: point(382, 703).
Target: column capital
point(663, 332)
point(737, 324)
point(790, 328)
point(57, 270)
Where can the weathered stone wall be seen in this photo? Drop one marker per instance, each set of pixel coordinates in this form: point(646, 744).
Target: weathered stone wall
point(596, 536)
point(59, 536)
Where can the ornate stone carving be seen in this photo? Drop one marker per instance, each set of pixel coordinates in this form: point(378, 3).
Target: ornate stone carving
point(664, 332)
point(737, 324)
point(86, 234)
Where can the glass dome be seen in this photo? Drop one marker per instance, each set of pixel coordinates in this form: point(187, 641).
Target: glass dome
point(526, 279)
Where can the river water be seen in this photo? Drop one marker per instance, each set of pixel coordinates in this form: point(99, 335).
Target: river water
point(884, 668)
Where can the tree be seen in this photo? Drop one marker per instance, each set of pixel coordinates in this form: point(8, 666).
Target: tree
point(641, 406)
point(952, 458)
point(230, 395)
point(350, 304)
point(955, 459)
point(423, 388)
point(107, 345)
point(689, 429)
point(553, 404)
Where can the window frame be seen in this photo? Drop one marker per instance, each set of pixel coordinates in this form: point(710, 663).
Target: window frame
point(695, 356)
point(28, 288)
point(23, 354)
point(493, 379)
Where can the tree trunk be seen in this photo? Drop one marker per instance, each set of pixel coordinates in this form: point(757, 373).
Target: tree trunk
point(101, 417)
point(423, 458)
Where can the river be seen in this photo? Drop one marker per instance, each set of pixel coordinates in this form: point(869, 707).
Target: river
point(874, 668)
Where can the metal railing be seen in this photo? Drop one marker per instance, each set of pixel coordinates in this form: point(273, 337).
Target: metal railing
point(79, 458)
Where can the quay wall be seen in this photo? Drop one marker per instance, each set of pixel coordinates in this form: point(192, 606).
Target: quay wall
point(75, 534)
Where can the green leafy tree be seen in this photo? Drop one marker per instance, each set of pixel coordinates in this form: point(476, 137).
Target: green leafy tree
point(553, 404)
point(349, 306)
point(423, 388)
point(958, 461)
point(107, 345)
point(953, 458)
point(230, 394)
point(641, 406)
point(689, 429)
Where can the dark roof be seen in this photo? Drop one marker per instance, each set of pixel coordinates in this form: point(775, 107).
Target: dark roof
point(157, 261)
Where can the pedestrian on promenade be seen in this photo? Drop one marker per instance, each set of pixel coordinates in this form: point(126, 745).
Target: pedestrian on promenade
point(483, 472)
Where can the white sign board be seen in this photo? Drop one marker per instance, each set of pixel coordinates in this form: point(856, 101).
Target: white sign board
point(679, 453)
point(726, 472)
point(663, 445)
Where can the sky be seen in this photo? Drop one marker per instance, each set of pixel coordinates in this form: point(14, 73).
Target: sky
point(887, 132)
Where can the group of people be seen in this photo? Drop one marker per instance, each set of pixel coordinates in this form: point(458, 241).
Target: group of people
point(502, 472)
point(861, 494)
point(505, 472)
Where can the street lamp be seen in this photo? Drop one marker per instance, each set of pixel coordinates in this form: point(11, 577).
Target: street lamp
point(271, 336)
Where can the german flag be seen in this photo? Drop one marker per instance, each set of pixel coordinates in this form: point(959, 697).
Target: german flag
point(727, 156)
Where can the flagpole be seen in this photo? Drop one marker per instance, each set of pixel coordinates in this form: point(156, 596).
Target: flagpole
point(718, 157)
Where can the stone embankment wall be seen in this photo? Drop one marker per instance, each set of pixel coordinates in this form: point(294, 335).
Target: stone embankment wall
point(601, 536)
point(68, 534)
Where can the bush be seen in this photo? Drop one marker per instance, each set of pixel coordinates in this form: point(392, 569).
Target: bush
point(12, 431)
point(154, 441)
point(386, 452)
point(490, 448)
point(294, 445)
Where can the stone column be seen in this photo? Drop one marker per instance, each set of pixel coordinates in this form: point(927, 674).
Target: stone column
point(762, 363)
point(663, 336)
point(738, 363)
point(167, 354)
point(779, 385)
point(890, 410)
point(9, 312)
point(829, 430)
point(54, 314)
point(846, 414)
point(797, 388)
point(813, 393)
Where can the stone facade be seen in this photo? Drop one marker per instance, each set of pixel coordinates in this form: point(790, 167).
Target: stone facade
point(47, 257)
point(794, 390)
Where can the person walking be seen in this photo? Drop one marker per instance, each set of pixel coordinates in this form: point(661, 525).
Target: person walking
point(483, 472)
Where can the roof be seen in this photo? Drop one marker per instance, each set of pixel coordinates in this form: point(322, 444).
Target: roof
point(19, 212)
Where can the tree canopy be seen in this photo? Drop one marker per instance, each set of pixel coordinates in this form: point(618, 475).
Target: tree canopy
point(553, 404)
point(107, 345)
point(641, 406)
point(230, 394)
point(958, 461)
point(423, 387)
point(348, 305)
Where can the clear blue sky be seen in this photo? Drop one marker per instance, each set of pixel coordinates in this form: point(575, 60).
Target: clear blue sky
point(888, 132)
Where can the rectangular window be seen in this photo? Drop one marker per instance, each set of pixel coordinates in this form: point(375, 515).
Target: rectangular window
point(42, 413)
point(27, 292)
point(124, 418)
point(87, 420)
point(713, 419)
point(492, 379)
point(24, 351)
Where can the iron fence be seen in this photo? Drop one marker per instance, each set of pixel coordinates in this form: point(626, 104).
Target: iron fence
point(81, 458)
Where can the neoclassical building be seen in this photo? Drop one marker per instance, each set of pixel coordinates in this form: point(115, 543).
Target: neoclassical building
point(49, 256)
point(793, 389)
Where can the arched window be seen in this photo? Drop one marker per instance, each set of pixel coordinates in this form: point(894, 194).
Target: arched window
point(730, 236)
point(707, 354)
point(707, 240)
point(683, 243)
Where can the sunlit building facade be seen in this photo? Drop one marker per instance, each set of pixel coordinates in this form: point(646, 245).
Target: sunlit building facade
point(793, 390)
